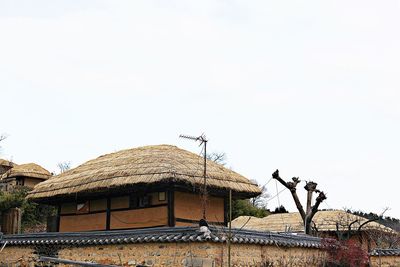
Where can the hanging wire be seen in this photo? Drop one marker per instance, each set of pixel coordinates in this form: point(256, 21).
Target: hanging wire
point(279, 202)
point(271, 198)
point(270, 179)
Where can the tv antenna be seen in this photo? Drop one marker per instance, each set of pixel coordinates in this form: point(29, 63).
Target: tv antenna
point(203, 141)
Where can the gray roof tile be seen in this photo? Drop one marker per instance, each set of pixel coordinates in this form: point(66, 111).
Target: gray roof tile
point(386, 252)
point(162, 234)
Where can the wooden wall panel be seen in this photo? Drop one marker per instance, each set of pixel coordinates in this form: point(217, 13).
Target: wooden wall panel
point(84, 222)
point(188, 206)
point(186, 224)
point(68, 208)
point(155, 200)
point(98, 204)
point(138, 218)
point(31, 182)
point(120, 202)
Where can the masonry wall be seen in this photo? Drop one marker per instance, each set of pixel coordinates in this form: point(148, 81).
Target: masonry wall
point(385, 261)
point(17, 255)
point(177, 254)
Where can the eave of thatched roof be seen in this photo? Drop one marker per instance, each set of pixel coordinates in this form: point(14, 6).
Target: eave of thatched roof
point(27, 170)
point(325, 221)
point(144, 165)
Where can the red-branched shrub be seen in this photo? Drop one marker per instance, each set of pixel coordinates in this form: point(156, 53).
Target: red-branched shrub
point(346, 253)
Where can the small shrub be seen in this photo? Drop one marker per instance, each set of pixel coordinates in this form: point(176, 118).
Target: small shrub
point(344, 253)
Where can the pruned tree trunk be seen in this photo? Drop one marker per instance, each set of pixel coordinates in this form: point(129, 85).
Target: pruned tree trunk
point(311, 210)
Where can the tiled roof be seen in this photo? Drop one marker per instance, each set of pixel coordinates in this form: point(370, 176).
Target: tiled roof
point(386, 252)
point(161, 235)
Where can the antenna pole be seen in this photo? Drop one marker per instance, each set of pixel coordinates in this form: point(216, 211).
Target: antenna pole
point(205, 180)
point(230, 228)
point(203, 140)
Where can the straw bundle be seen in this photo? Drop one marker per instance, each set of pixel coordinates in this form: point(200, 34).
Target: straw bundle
point(143, 165)
point(27, 170)
point(325, 221)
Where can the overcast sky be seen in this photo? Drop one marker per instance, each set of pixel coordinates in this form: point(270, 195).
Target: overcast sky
point(311, 88)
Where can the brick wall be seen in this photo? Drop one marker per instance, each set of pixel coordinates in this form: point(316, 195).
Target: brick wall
point(176, 254)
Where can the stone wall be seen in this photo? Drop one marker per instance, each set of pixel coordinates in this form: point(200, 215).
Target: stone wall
point(197, 254)
point(17, 255)
point(385, 261)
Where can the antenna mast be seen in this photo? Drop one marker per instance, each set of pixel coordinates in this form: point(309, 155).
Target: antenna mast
point(203, 141)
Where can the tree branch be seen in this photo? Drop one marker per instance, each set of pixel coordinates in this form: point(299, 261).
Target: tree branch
point(310, 187)
point(292, 187)
point(372, 220)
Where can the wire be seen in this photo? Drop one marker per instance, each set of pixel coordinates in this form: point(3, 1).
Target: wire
point(276, 194)
point(279, 202)
point(270, 179)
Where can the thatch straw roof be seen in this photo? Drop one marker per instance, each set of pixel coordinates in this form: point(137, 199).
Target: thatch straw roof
point(325, 221)
point(143, 165)
point(27, 170)
point(7, 163)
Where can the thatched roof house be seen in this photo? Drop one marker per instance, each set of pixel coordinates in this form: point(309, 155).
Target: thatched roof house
point(27, 175)
point(5, 165)
point(27, 170)
point(4, 162)
point(329, 223)
point(323, 221)
point(163, 178)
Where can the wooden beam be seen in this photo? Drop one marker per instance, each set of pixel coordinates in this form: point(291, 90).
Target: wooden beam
point(108, 213)
point(58, 218)
point(226, 211)
point(171, 207)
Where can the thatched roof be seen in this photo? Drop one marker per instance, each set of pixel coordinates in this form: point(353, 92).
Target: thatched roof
point(27, 170)
point(325, 221)
point(143, 165)
point(7, 163)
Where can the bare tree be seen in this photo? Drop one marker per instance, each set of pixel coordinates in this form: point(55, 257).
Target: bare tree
point(2, 138)
point(311, 187)
point(217, 157)
point(64, 166)
point(349, 225)
point(261, 200)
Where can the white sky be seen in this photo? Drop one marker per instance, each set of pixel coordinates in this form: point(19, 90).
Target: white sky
point(311, 88)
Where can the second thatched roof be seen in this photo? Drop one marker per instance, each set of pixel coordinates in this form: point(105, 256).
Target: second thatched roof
point(143, 165)
point(27, 170)
point(7, 163)
point(324, 221)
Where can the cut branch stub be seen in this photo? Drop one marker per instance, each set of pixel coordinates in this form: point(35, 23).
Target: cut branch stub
point(321, 197)
point(310, 186)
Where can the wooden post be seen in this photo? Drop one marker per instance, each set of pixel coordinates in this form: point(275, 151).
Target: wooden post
point(226, 210)
point(230, 228)
point(171, 208)
point(58, 217)
point(108, 213)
